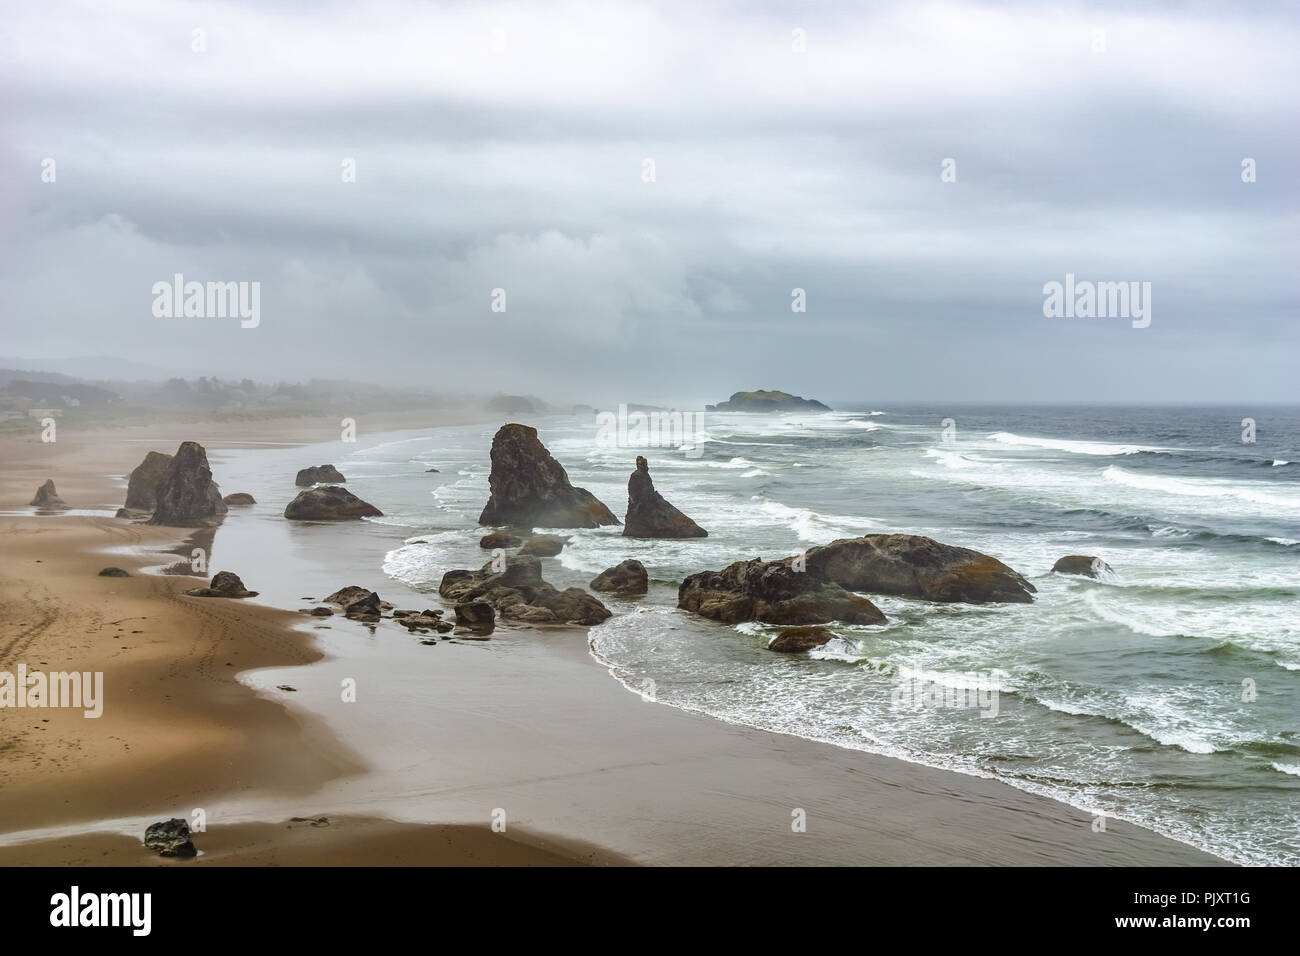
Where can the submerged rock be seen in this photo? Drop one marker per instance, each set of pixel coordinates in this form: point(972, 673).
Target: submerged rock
point(649, 515)
point(774, 593)
point(499, 539)
point(240, 498)
point(318, 475)
point(47, 496)
point(520, 594)
point(626, 578)
point(796, 640)
point(916, 566)
point(170, 838)
point(1087, 565)
point(187, 495)
point(329, 503)
point(225, 584)
point(543, 546)
point(531, 489)
point(142, 485)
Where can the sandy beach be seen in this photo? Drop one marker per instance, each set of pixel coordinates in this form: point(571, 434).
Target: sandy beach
point(528, 723)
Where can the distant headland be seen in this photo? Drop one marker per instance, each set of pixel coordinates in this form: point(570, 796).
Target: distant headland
point(767, 401)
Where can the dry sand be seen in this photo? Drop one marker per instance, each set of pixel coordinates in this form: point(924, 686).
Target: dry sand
point(528, 721)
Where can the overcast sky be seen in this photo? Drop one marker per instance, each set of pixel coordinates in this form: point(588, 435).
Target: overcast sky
point(504, 146)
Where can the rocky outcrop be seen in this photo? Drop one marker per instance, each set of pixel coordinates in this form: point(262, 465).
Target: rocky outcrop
point(142, 485)
point(318, 475)
point(773, 593)
point(225, 584)
point(649, 515)
point(426, 620)
point(187, 495)
point(543, 546)
point(915, 566)
point(477, 616)
point(531, 489)
point(627, 578)
point(1086, 565)
point(113, 573)
point(170, 838)
point(519, 594)
point(359, 603)
point(499, 539)
point(767, 401)
point(796, 640)
point(240, 498)
point(329, 503)
point(47, 496)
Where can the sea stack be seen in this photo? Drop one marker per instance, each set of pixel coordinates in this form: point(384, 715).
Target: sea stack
point(187, 495)
point(47, 497)
point(531, 489)
point(142, 486)
point(649, 515)
point(318, 475)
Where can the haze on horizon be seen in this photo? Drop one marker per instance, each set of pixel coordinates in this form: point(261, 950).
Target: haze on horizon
point(503, 146)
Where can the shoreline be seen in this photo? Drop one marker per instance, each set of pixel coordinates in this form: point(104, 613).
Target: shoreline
point(715, 783)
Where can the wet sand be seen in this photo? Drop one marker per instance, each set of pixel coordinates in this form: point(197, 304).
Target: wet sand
point(527, 727)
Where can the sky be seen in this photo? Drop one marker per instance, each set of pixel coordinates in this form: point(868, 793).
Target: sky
point(649, 183)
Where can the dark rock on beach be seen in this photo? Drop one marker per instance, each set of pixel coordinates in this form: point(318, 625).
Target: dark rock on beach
point(543, 546)
point(1086, 565)
point(240, 498)
point(531, 489)
point(649, 515)
point(626, 578)
point(499, 539)
point(478, 616)
point(774, 593)
point(47, 496)
point(225, 584)
point(113, 573)
point(520, 594)
point(329, 503)
point(768, 401)
point(170, 838)
point(796, 640)
point(187, 495)
point(916, 566)
point(318, 475)
point(142, 485)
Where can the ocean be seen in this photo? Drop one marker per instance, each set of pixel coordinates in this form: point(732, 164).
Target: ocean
point(1166, 693)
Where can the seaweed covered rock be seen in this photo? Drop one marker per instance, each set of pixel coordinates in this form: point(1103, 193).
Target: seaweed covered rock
point(774, 593)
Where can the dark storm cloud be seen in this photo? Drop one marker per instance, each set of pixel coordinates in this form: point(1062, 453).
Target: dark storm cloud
point(502, 147)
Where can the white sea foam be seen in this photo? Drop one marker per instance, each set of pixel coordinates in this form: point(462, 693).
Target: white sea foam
point(1077, 447)
point(1199, 488)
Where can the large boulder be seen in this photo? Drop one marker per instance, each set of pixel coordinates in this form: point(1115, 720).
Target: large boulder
point(478, 616)
point(187, 495)
point(625, 578)
point(915, 566)
point(329, 503)
point(240, 498)
point(531, 489)
point(1086, 565)
point(518, 593)
point(499, 539)
point(142, 486)
point(543, 546)
point(773, 593)
point(649, 515)
point(318, 475)
point(796, 640)
point(170, 838)
point(225, 584)
point(47, 496)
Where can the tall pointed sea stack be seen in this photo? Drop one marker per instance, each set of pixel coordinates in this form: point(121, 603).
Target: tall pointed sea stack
point(531, 489)
point(187, 495)
point(649, 515)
